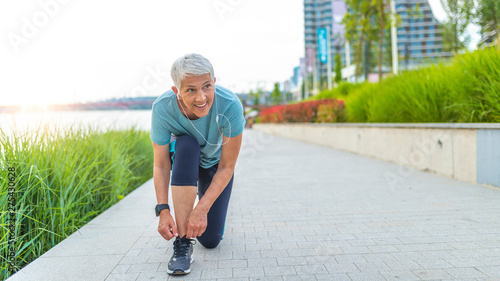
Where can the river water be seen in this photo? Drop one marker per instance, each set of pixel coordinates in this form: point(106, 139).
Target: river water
point(100, 119)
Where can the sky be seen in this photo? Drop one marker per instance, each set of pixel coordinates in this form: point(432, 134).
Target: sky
point(67, 51)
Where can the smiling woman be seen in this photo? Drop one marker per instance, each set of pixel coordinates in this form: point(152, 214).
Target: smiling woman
point(201, 150)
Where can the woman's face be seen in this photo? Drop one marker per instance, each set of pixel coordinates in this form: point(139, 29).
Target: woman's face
point(196, 95)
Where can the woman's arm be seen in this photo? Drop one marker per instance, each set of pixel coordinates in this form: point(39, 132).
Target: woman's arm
point(229, 154)
point(161, 179)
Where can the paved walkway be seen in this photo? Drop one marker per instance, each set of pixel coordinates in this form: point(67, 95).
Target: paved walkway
point(302, 212)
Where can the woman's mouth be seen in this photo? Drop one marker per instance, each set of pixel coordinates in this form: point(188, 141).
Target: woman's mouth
point(201, 106)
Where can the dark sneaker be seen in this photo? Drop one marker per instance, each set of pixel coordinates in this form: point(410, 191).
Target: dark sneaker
point(182, 258)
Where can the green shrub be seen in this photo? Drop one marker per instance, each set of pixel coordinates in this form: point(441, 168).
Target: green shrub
point(465, 90)
point(63, 180)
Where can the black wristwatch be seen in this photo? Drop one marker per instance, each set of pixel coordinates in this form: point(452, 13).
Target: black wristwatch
point(160, 207)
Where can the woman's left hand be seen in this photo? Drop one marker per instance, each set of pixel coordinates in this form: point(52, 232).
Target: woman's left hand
point(196, 222)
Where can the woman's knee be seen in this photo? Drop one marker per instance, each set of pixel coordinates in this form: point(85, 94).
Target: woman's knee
point(186, 142)
point(210, 242)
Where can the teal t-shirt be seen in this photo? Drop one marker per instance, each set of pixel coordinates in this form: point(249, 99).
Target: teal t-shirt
point(167, 120)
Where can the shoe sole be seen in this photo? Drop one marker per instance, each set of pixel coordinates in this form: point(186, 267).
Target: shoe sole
point(180, 271)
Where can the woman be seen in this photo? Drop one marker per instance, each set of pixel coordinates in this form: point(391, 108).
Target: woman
point(196, 133)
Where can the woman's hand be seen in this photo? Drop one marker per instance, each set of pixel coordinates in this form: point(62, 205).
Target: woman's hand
point(166, 226)
point(196, 222)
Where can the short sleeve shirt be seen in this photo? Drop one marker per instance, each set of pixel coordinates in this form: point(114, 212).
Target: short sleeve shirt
point(225, 117)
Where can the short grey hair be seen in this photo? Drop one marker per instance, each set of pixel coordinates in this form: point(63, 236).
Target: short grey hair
point(190, 65)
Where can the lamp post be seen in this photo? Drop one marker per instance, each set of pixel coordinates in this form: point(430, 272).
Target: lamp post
point(329, 57)
point(394, 38)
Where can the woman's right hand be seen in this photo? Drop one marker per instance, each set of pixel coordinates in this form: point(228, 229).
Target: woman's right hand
point(166, 226)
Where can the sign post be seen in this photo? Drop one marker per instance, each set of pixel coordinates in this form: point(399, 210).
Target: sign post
point(324, 51)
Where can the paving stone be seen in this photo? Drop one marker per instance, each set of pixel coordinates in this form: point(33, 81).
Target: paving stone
point(256, 271)
point(284, 245)
point(366, 276)
point(278, 253)
point(468, 262)
point(349, 258)
point(280, 270)
point(233, 264)
point(291, 261)
point(432, 274)
point(262, 262)
point(399, 275)
point(490, 271)
point(121, 268)
point(123, 276)
point(310, 269)
point(144, 267)
point(465, 272)
point(332, 277)
point(266, 278)
point(341, 268)
point(216, 273)
point(403, 265)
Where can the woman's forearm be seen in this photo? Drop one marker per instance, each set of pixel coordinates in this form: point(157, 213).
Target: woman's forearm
point(161, 179)
point(219, 183)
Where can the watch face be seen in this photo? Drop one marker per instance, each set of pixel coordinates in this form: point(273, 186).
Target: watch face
point(158, 210)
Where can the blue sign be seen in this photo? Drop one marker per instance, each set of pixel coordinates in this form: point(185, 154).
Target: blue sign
point(322, 45)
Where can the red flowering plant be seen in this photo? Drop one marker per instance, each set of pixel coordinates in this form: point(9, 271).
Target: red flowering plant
point(331, 111)
point(320, 111)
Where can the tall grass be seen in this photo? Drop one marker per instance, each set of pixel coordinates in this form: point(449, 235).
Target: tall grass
point(466, 90)
point(65, 178)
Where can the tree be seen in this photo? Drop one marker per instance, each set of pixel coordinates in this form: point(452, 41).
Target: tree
point(488, 17)
point(351, 22)
point(276, 94)
point(459, 14)
point(382, 23)
point(359, 26)
point(338, 69)
point(251, 95)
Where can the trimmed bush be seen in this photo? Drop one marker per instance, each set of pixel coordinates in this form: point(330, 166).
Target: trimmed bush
point(326, 110)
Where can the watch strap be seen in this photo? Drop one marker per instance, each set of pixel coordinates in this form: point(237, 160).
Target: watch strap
point(160, 207)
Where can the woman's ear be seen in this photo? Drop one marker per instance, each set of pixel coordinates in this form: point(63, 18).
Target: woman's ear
point(176, 92)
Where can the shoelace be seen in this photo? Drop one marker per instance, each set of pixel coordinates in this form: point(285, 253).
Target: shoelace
point(181, 246)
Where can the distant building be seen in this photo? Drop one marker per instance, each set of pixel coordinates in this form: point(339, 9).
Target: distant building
point(320, 14)
point(419, 34)
point(488, 36)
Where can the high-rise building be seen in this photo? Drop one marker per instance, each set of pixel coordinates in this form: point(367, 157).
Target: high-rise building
point(419, 33)
point(320, 14)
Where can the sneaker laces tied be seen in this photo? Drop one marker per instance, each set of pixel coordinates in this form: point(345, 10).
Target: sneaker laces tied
point(181, 246)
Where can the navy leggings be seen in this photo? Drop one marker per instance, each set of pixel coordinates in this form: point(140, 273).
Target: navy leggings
point(185, 156)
